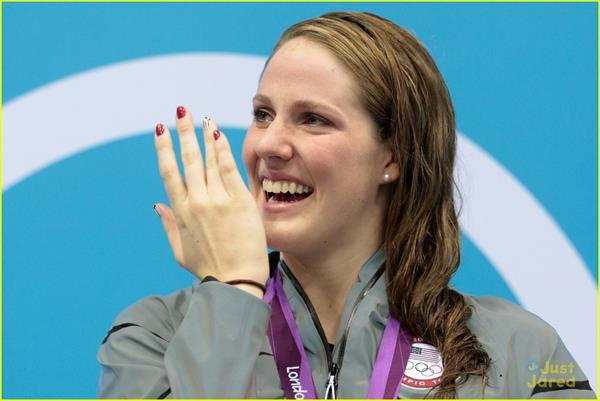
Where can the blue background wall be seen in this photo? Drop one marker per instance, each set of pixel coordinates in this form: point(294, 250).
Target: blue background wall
point(81, 240)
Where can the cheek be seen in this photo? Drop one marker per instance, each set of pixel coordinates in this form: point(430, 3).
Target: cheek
point(324, 160)
point(335, 166)
point(350, 168)
point(337, 158)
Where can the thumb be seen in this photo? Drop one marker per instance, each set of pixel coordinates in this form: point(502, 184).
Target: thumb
point(171, 229)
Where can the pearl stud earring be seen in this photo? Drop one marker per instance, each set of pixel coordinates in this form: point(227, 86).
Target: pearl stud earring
point(386, 177)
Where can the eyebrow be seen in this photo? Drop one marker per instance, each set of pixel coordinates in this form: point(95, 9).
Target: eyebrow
point(306, 103)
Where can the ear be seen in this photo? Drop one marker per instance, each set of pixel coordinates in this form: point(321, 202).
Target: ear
point(391, 168)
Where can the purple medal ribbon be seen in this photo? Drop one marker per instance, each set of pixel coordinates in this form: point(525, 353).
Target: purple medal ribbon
point(288, 349)
point(292, 362)
point(391, 361)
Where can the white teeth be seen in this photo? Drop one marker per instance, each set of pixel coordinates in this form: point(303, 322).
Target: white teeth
point(284, 187)
point(276, 187)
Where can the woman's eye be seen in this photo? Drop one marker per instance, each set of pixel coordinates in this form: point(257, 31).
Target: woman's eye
point(313, 119)
point(260, 116)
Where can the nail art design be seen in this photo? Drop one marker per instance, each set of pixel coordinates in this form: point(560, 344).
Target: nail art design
point(216, 134)
point(155, 207)
point(160, 129)
point(180, 112)
point(205, 122)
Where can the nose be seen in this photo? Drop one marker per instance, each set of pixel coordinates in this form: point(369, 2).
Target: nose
point(274, 145)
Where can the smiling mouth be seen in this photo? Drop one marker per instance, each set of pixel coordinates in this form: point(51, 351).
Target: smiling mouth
point(285, 191)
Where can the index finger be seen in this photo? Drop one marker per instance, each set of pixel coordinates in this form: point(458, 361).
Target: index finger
point(232, 179)
point(214, 183)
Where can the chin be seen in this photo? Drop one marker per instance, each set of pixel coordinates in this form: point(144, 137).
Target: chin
point(278, 238)
point(285, 239)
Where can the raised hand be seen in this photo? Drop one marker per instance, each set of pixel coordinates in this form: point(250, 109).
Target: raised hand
point(214, 227)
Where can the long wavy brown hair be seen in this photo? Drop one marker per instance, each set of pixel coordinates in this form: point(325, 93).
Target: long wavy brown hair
point(407, 97)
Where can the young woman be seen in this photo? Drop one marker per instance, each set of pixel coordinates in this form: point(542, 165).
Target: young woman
point(350, 159)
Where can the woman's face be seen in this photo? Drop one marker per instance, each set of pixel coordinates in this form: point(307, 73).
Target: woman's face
point(310, 129)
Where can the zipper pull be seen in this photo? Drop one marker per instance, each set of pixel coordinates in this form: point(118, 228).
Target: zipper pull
point(332, 383)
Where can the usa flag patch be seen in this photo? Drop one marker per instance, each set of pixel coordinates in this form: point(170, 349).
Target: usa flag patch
point(424, 368)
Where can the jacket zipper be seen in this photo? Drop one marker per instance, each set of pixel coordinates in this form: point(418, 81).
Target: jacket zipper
point(333, 367)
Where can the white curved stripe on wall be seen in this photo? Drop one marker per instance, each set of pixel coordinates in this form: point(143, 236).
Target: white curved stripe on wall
point(109, 103)
point(529, 250)
point(501, 217)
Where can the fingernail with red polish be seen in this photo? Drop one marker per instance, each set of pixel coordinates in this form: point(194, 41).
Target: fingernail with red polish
point(155, 207)
point(180, 112)
point(160, 129)
point(216, 134)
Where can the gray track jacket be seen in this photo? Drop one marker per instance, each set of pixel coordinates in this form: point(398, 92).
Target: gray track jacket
point(209, 341)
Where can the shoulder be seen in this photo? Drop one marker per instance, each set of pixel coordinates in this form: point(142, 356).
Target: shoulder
point(502, 321)
point(528, 358)
point(514, 339)
point(512, 336)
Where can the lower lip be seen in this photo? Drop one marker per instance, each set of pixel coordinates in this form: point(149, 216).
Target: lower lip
point(278, 207)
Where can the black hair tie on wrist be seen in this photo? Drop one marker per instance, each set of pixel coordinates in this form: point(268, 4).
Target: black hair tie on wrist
point(256, 284)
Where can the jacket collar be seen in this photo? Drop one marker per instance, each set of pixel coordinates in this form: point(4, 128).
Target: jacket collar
point(366, 327)
point(371, 266)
